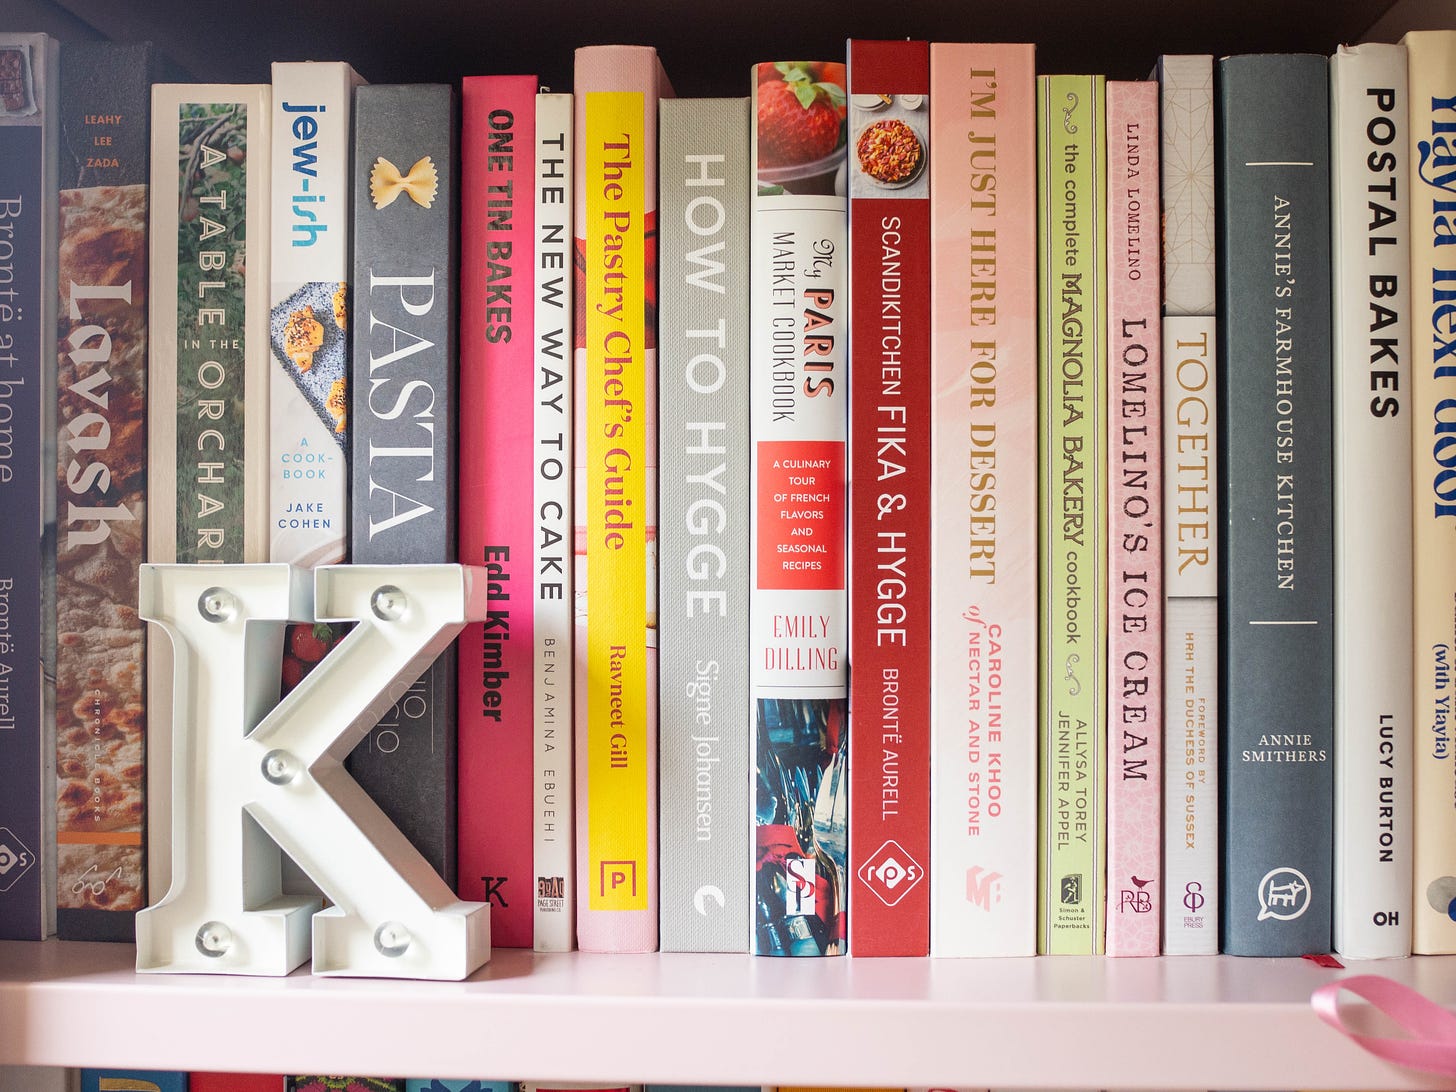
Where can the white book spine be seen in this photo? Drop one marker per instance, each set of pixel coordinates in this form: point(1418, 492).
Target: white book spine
point(555, 902)
point(1190, 638)
point(1373, 530)
point(167, 480)
point(1431, 85)
point(308, 333)
point(1190, 554)
point(798, 596)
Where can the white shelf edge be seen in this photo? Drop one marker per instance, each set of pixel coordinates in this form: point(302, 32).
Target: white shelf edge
point(1214, 1022)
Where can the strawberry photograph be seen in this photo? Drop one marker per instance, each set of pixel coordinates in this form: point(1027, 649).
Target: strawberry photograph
point(801, 127)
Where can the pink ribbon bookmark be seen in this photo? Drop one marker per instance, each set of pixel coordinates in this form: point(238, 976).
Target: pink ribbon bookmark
point(1432, 1043)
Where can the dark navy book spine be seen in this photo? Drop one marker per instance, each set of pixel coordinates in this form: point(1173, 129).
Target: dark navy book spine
point(27, 368)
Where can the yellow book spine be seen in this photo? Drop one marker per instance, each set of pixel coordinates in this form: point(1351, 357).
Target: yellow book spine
point(1432, 83)
point(617, 416)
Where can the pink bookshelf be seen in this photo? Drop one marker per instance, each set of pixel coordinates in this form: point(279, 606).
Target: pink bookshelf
point(1208, 1022)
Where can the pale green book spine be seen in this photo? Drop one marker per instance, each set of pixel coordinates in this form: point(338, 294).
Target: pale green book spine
point(1072, 398)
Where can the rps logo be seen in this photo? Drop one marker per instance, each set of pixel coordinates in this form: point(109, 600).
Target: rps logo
point(15, 859)
point(891, 873)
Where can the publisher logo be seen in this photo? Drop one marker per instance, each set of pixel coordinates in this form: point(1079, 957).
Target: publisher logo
point(891, 873)
point(493, 890)
point(15, 859)
point(1135, 899)
point(708, 898)
point(1193, 897)
point(1283, 894)
point(1070, 889)
point(983, 889)
point(551, 887)
point(619, 878)
point(803, 880)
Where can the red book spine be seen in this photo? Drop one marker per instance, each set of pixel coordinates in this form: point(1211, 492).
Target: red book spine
point(236, 1082)
point(890, 540)
point(497, 415)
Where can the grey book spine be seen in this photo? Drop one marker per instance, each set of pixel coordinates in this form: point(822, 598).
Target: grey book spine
point(402, 421)
point(703, 526)
point(1275, 383)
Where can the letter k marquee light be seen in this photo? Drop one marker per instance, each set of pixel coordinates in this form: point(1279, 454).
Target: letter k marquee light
point(250, 779)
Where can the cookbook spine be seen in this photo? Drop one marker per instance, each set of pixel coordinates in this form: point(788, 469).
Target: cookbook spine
point(402, 425)
point(703, 526)
point(207, 421)
point(798, 601)
point(984, 519)
point(1374, 665)
point(890, 497)
point(1135, 525)
point(555, 799)
point(1191, 507)
point(101, 482)
point(617, 89)
point(1072, 294)
point(28, 178)
point(1275, 368)
point(497, 456)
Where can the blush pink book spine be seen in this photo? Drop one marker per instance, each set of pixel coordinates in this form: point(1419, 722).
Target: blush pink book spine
point(496, 692)
point(1135, 520)
point(984, 500)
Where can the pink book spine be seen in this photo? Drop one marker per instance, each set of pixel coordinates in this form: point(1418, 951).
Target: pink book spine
point(984, 500)
point(1135, 520)
point(497, 416)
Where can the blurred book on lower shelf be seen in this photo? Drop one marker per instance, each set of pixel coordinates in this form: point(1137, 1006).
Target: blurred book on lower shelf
point(235, 1082)
point(38, 1078)
point(315, 1082)
point(132, 1080)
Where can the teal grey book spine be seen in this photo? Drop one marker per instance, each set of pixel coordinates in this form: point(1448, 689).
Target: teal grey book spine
point(1274, 276)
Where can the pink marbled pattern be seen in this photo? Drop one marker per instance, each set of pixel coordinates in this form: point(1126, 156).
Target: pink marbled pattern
point(1135, 584)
